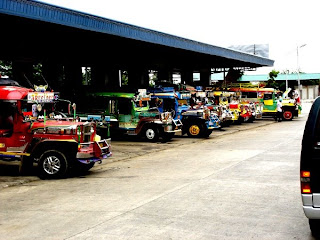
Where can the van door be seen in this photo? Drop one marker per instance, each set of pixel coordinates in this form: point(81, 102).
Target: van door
point(310, 157)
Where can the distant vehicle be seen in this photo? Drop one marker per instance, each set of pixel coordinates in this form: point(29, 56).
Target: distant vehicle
point(290, 106)
point(310, 169)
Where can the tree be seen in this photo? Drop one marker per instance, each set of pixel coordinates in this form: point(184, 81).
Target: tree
point(6, 68)
point(271, 81)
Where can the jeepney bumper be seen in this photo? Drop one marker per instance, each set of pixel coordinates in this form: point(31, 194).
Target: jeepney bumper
point(175, 127)
point(213, 123)
point(258, 115)
point(94, 151)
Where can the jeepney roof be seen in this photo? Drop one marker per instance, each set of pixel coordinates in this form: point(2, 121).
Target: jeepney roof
point(13, 92)
point(253, 89)
point(163, 95)
point(114, 94)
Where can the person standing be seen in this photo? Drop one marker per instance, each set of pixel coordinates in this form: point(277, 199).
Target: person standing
point(279, 110)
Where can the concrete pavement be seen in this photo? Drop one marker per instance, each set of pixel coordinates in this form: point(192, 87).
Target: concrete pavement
point(243, 185)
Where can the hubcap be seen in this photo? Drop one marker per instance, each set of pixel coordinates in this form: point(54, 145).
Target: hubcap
point(150, 134)
point(51, 165)
point(194, 130)
point(287, 115)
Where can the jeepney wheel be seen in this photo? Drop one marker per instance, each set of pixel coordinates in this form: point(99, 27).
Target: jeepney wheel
point(195, 130)
point(84, 168)
point(251, 119)
point(287, 115)
point(151, 133)
point(207, 133)
point(167, 136)
point(52, 164)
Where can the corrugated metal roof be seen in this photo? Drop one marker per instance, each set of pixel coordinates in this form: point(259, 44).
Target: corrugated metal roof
point(53, 14)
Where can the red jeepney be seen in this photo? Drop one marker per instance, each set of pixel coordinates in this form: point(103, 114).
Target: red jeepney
point(32, 130)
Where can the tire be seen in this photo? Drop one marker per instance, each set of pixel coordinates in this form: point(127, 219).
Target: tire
point(240, 120)
point(84, 168)
point(195, 130)
point(287, 115)
point(315, 227)
point(26, 166)
point(52, 164)
point(167, 136)
point(251, 119)
point(208, 133)
point(151, 133)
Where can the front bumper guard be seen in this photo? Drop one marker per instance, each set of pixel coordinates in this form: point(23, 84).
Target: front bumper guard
point(176, 127)
point(93, 151)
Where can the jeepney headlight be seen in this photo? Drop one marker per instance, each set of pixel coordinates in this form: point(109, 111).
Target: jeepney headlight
point(97, 138)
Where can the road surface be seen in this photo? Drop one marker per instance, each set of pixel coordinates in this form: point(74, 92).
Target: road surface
point(233, 185)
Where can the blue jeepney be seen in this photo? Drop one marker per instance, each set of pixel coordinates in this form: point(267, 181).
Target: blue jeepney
point(196, 122)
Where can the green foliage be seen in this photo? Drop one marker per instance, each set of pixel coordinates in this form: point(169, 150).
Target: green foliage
point(153, 78)
point(86, 76)
point(124, 78)
point(6, 68)
point(272, 82)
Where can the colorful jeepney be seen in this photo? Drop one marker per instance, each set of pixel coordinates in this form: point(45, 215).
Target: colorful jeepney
point(32, 130)
point(290, 102)
point(130, 114)
point(218, 102)
point(249, 99)
point(198, 122)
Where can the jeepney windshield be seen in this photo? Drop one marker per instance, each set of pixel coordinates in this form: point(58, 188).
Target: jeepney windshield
point(267, 96)
point(182, 102)
point(140, 104)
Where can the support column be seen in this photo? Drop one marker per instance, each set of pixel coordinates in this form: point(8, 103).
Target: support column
point(205, 77)
point(187, 77)
point(105, 78)
point(165, 74)
point(53, 74)
point(72, 82)
point(138, 78)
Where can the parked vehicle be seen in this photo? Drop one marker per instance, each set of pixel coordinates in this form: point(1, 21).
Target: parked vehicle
point(130, 114)
point(310, 169)
point(198, 122)
point(290, 107)
point(33, 130)
point(218, 102)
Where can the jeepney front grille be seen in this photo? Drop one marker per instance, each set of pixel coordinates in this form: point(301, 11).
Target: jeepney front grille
point(87, 133)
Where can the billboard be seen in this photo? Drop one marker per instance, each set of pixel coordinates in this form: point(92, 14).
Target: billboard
point(261, 50)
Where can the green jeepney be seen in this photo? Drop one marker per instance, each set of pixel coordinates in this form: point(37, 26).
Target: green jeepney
point(130, 114)
point(290, 106)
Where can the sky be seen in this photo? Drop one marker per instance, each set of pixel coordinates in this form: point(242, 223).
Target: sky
point(287, 26)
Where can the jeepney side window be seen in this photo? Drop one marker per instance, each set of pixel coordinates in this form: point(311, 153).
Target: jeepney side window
point(111, 106)
point(141, 103)
point(153, 103)
point(7, 114)
point(168, 104)
point(124, 106)
point(26, 108)
point(182, 102)
point(267, 96)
